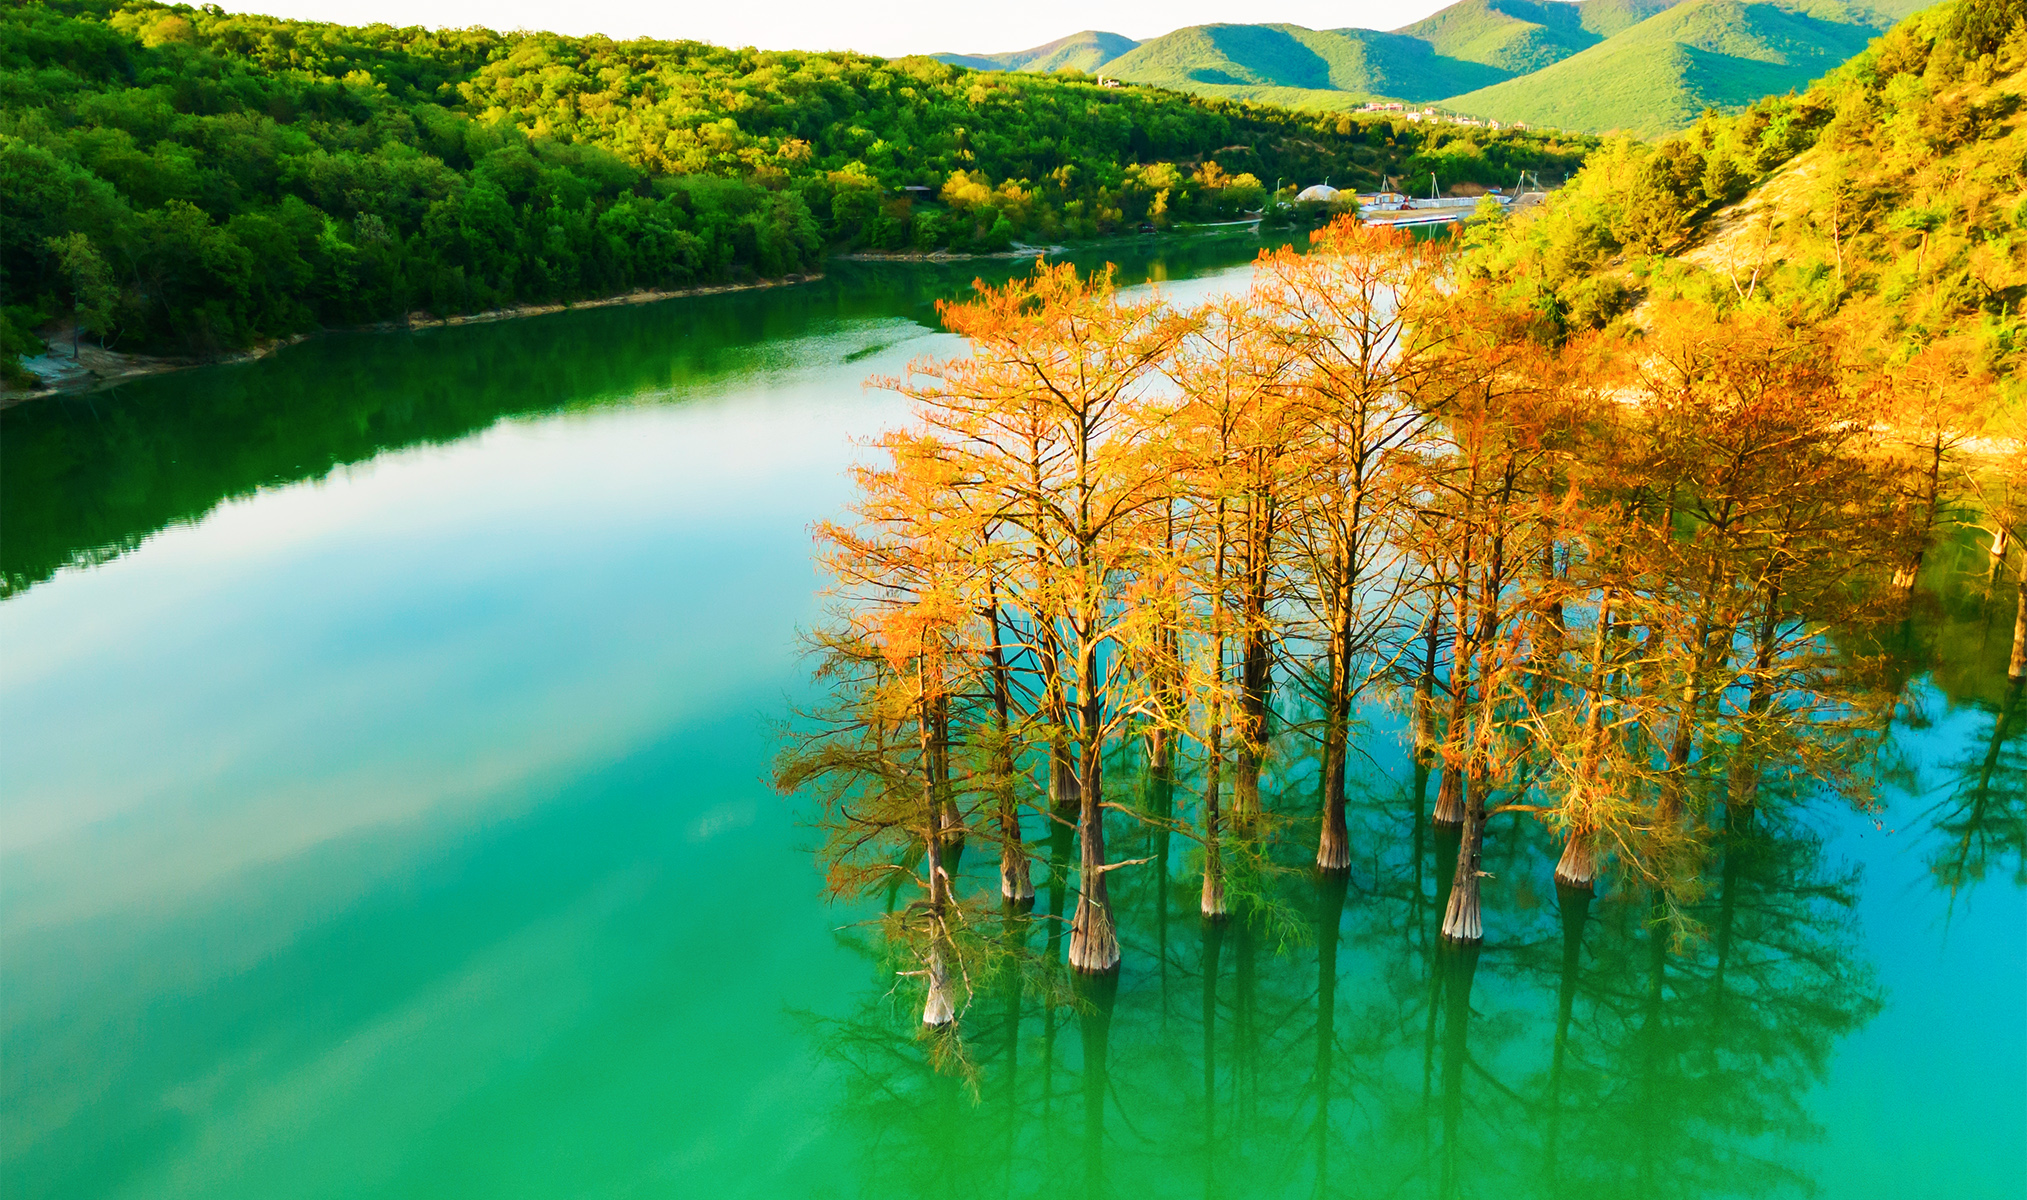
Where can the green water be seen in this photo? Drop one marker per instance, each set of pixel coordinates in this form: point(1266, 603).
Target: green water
point(385, 730)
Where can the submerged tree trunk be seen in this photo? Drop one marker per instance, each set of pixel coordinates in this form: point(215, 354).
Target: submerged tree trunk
point(1578, 868)
point(1450, 796)
point(1461, 919)
point(1255, 664)
point(1094, 943)
point(1214, 863)
point(1016, 883)
point(940, 1007)
point(1425, 697)
point(1333, 843)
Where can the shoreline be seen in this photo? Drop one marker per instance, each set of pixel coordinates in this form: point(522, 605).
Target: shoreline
point(941, 256)
point(96, 368)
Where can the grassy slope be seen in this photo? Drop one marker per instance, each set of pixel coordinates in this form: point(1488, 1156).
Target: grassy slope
point(1658, 75)
point(1084, 51)
point(1522, 36)
point(1253, 61)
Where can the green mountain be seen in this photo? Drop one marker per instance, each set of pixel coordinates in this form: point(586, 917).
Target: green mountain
point(1520, 36)
point(1659, 74)
point(1643, 66)
point(1085, 51)
point(1259, 62)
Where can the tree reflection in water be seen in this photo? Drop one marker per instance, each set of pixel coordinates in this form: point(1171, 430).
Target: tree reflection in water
point(1595, 1050)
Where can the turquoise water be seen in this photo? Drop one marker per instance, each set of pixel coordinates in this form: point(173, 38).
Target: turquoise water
point(386, 728)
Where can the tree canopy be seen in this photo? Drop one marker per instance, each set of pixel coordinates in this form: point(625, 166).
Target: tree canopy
point(243, 176)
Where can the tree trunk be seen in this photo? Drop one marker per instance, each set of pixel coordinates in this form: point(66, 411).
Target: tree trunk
point(1016, 884)
point(1450, 797)
point(1333, 849)
point(1094, 943)
point(1578, 867)
point(1251, 730)
point(1214, 864)
point(1460, 919)
point(2017, 667)
point(940, 1007)
point(1333, 844)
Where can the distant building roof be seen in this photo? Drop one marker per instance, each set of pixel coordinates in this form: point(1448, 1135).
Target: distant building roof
point(1316, 191)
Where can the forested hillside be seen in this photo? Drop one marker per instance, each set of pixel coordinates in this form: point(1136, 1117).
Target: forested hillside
point(1638, 66)
point(194, 180)
point(1657, 76)
point(1086, 51)
point(1886, 201)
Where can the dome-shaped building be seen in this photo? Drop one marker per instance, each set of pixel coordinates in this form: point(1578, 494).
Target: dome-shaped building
point(1319, 193)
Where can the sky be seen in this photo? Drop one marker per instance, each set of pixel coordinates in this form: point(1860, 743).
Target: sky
point(885, 27)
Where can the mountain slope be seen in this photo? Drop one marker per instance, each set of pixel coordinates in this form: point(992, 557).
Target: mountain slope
point(1084, 51)
point(1659, 74)
point(1640, 66)
point(1248, 61)
point(1885, 199)
point(1520, 36)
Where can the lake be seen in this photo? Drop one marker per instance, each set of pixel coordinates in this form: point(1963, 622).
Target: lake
point(387, 727)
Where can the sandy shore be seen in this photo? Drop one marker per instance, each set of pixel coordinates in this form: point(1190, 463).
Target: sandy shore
point(95, 368)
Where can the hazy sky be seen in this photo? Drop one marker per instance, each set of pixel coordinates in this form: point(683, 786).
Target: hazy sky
point(887, 27)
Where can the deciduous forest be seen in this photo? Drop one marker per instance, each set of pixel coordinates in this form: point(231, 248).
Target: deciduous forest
point(189, 180)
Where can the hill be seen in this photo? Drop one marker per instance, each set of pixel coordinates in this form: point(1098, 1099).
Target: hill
point(1085, 51)
point(1659, 74)
point(1522, 36)
point(1641, 66)
point(1244, 61)
point(191, 180)
point(1884, 200)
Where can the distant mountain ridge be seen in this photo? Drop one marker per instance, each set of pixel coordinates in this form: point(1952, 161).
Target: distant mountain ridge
point(1085, 51)
point(1641, 66)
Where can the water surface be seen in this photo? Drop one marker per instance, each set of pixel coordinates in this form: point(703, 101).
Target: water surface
point(386, 727)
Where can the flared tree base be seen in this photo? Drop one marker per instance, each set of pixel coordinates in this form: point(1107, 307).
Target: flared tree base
point(1213, 903)
point(1577, 868)
point(1461, 923)
point(1016, 884)
point(1094, 947)
point(1333, 850)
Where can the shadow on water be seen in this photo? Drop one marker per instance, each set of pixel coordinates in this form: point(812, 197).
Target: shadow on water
point(86, 478)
